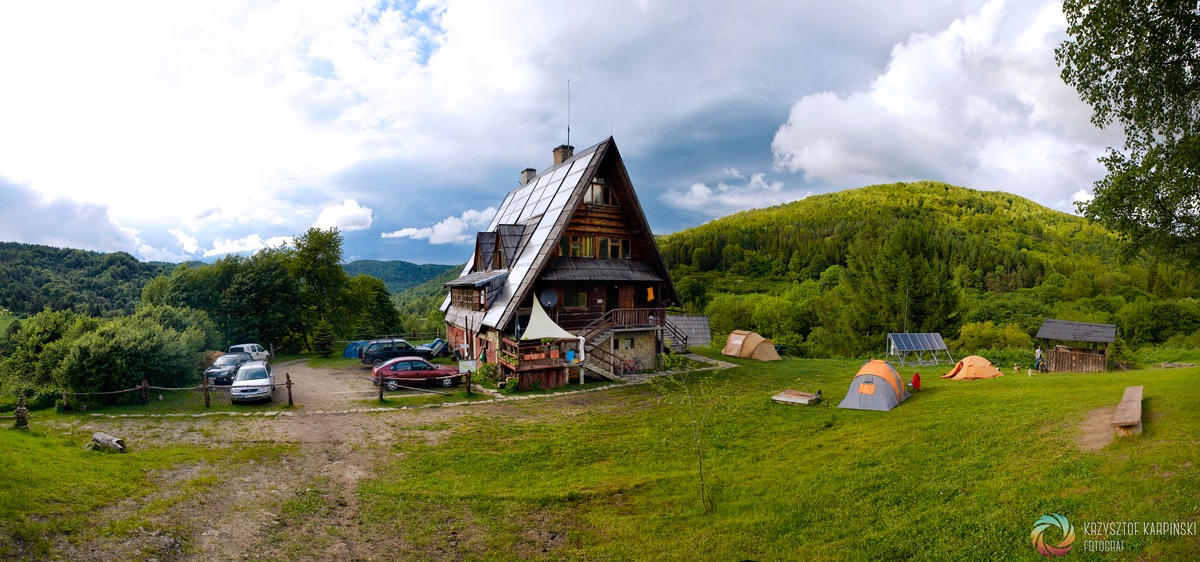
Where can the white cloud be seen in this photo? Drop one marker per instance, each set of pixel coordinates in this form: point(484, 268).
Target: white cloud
point(348, 216)
point(188, 243)
point(251, 243)
point(452, 230)
point(978, 104)
point(728, 198)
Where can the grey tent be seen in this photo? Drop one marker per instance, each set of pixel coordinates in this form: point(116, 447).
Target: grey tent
point(876, 386)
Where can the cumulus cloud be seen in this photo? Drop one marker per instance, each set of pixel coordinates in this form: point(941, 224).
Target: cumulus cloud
point(188, 243)
point(978, 104)
point(452, 230)
point(347, 216)
point(251, 243)
point(725, 198)
point(27, 217)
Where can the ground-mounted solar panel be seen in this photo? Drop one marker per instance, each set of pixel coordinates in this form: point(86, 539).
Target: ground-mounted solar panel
point(917, 348)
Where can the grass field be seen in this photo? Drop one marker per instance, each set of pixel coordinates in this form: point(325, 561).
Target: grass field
point(960, 471)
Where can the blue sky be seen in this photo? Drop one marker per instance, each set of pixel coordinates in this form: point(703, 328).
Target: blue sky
point(187, 131)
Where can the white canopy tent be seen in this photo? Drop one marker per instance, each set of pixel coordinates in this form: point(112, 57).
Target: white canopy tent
point(541, 326)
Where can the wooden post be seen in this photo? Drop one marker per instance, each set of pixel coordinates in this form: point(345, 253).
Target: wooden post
point(468, 383)
point(204, 385)
point(145, 393)
point(381, 389)
point(288, 381)
point(66, 405)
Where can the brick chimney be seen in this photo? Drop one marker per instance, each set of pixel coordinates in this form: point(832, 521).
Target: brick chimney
point(562, 153)
point(527, 175)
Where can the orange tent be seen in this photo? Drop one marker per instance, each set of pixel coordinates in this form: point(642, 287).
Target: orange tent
point(971, 368)
point(876, 386)
point(750, 345)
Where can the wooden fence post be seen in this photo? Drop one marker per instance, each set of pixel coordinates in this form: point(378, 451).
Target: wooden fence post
point(468, 383)
point(204, 385)
point(145, 393)
point(288, 378)
point(381, 388)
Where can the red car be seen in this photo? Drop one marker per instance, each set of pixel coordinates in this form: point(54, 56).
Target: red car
point(403, 371)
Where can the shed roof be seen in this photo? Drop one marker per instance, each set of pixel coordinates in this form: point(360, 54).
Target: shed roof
point(1064, 330)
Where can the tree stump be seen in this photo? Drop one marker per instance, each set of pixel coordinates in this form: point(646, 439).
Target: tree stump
point(108, 442)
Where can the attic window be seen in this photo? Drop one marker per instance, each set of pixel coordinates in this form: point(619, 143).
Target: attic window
point(600, 193)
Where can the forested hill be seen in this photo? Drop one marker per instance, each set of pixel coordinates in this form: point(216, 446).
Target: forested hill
point(399, 276)
point(34, 277)
point(993, 240)
point(832, 274)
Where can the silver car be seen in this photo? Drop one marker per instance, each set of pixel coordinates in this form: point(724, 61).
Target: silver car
point(254, 381)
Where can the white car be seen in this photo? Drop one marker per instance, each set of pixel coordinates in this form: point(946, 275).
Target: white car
point(254, 381)
point(257, 352)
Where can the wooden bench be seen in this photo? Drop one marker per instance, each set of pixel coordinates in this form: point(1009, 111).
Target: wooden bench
point(1128, 419)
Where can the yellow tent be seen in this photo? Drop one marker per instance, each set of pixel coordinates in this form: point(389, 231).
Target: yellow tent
point(973, 367)
point(749, 345)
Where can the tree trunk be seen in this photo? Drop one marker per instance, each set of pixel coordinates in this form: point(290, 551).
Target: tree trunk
point(108, 442)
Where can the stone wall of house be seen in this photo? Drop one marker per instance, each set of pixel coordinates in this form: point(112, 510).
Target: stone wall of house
point(640, 344)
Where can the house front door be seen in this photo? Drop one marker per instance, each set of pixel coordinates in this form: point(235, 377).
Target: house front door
point(625, 299)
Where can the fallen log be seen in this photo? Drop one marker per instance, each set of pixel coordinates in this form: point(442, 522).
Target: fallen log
point(108, 442)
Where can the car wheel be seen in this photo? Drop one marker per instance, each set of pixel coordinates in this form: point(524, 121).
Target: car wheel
point(446, 382)
point(376, 362)
point(391, 385)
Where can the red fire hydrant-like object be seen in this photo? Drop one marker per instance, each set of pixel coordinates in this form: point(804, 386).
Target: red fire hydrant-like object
point(916, 382)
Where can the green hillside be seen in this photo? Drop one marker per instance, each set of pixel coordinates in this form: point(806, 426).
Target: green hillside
point(831, 274)
point(34, 277)
point(399, 276)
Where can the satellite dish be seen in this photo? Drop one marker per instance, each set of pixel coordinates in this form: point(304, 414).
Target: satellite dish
point(548, 298)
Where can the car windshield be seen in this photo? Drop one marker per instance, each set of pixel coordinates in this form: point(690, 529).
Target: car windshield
point(226, 360)
point(251, 374)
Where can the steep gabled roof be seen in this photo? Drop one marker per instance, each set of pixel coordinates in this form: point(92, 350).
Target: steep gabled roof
point(544, 206)
point(1063, 330)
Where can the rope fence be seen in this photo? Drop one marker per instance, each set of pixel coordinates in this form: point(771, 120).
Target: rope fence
point(204, 387)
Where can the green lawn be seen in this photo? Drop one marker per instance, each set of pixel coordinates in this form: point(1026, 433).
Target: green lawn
point(959, 471)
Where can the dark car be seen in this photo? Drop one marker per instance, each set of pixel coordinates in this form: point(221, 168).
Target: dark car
point(378, 351)
point(225, 367)
point(404, 371)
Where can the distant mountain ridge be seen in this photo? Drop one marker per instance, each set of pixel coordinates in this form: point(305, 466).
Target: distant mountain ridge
point(398, 275)
point(34, 277)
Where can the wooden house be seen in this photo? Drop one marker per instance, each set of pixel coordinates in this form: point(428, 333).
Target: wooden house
point(573, 241)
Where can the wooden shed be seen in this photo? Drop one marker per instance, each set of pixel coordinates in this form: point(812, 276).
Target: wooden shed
point(1064, 355)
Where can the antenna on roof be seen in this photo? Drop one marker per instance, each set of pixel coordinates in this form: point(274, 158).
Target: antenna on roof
point(568, 112)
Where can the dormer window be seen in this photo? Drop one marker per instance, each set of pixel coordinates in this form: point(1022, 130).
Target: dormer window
point(600, 193)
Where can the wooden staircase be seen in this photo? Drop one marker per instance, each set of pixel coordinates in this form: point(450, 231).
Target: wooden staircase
point(600, 331)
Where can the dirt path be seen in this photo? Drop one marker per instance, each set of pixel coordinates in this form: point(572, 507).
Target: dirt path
point(1097, 429)
point(229, 512)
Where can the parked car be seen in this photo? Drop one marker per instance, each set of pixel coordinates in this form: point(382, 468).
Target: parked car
point(254, 381)
point(377, 352)
point(256, 351)
point(226, 366)
point(403, 371)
